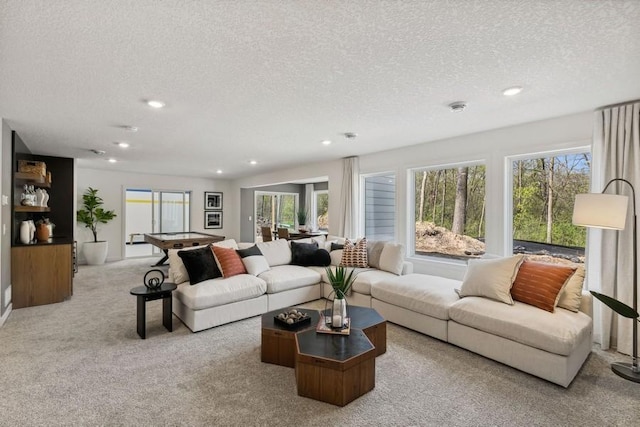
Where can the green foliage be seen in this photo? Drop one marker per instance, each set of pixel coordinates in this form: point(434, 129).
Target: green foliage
point(340, 280)
point(302, 216)
point(92, 212)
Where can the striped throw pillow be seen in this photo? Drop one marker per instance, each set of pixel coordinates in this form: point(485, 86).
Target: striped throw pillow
point(539, 284)
point(354, 255)
point(229, 261)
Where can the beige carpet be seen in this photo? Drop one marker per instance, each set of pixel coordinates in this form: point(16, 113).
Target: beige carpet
point(81, 363)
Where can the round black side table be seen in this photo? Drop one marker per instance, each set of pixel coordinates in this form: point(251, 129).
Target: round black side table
point(145, 294)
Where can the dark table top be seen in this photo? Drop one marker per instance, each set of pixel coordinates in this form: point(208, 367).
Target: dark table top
point(361, 317)
point(339, 348)
point(268, 321)
point(143, 290)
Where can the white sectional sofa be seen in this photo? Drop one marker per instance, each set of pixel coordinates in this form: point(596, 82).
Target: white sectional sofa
point(218, 301)
point(550, 345)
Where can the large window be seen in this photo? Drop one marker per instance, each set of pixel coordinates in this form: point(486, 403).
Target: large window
point(380, 207)
point(275, 210)
point(544, 190)
point(321, 209)
point(450, 211)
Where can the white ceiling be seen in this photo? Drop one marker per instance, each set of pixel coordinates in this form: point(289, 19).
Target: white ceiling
point(269, 80)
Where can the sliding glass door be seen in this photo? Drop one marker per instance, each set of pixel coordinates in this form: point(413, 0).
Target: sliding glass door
point(153, 211)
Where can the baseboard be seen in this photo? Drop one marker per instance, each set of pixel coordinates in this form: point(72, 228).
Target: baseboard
point(6, 314)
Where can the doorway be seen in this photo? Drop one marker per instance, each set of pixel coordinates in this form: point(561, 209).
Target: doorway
point(275, 209)
point(153, 211)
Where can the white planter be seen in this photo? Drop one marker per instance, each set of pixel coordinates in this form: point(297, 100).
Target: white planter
point(95, 253)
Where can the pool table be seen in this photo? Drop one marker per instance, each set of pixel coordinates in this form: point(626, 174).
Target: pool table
point(178, 240)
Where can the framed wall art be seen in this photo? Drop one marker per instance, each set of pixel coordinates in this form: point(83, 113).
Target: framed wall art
point(213, 219)
point(212, 200)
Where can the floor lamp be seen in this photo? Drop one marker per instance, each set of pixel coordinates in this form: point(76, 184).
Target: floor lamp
point(609, 211)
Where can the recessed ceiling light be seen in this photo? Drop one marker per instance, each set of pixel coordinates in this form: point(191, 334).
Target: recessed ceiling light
point(112, 160)
point(155, 104)
point(130, 128)
point(122, 144)
point(253, 162)
point(219, 171)
point(457, 106)
point(510, 91)
point(326, 142)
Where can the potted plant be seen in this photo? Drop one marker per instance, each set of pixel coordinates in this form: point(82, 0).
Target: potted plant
point(340, 280)
point(91, 215)
point(302, 215)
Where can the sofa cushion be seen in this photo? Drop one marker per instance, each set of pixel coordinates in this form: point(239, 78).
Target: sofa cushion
point(229, 261)
point(539, 284)
point(571, 294)
point(491, 278)
point(421, 293)
point(374, 250)
point(365, 277)
point(277, 252)
point(391, 258)
point(558, 332)
point(355, 255)
point(217, 292)
point(253, 260)
point(177, 271)
point(200, 264)
point(286, 277)
point(229, 243)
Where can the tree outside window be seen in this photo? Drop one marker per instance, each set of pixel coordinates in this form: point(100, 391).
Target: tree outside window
point(450, 211)
point(544, 190)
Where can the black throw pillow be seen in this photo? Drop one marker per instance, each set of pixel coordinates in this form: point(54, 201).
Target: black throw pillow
point(308, 255)
point(336, 246)
point(301, 251)
point(200, 264)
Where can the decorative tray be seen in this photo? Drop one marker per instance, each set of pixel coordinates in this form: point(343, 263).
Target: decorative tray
point(324, 327)
point(292, 318)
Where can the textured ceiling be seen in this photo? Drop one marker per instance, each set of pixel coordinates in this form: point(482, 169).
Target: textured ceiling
point(269, 80)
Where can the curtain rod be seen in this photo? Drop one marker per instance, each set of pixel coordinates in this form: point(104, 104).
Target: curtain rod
point(617, 105)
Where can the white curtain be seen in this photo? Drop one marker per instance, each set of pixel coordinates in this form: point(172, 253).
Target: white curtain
point(616, 154)
point(308, 205)
point(347, 225)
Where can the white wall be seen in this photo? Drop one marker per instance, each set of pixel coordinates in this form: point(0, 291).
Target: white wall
point(112, 185)
point(5, 220)
point(490, 147)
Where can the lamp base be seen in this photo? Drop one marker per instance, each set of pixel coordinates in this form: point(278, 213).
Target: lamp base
point(625, 371)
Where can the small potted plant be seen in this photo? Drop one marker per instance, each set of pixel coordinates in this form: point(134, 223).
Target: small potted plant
point(91, 215)
point(302, 215)
point(341, 280)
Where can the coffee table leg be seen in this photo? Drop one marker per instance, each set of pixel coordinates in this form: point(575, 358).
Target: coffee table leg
point(167, 313)
point(141, 316)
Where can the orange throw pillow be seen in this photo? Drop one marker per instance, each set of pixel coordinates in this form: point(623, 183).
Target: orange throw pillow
point(539, 284)
point(229, 261)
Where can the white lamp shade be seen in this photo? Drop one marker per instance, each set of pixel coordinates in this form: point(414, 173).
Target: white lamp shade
point(600, 210)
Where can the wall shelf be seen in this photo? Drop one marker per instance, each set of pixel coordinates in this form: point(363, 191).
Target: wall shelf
point(22, 178)
point(20, 208)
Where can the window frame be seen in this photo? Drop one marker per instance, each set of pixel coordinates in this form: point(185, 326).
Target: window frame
point(411, 207)
point(508, 193)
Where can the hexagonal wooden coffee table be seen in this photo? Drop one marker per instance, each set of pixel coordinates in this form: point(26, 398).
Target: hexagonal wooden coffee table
point(371, 323)
point(278, 344)
point(336, 369)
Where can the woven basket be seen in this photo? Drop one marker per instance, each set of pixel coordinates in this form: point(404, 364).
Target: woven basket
point(29, 166)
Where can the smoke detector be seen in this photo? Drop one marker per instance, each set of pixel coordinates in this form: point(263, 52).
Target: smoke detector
point(98, 152)
point(457, 106)
point(350, 135)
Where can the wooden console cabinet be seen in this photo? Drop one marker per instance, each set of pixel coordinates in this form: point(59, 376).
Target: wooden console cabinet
point(42, 274)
